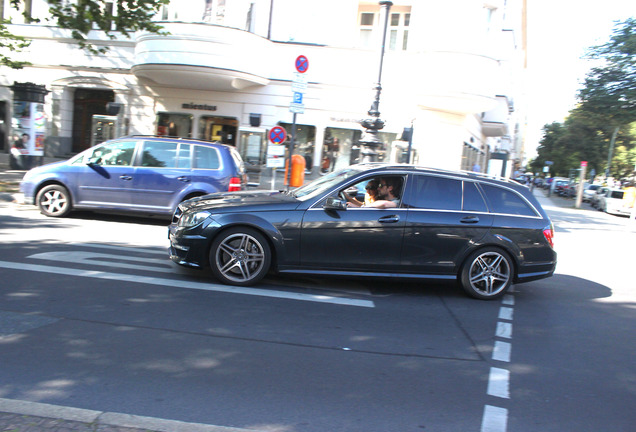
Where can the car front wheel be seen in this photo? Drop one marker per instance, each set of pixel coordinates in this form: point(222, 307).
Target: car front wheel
point(487, 273)
point(240, 256)
point(54, 200)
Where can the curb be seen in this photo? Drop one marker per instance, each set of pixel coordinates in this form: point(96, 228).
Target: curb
point(108, 418)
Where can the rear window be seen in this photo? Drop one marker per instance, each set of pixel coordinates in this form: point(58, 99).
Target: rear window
point(505, 201)
point(206, 158)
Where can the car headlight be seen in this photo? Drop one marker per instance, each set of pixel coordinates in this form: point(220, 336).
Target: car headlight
point(193, 218)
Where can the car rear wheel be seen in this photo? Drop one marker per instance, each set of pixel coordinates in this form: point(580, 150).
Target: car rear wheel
point(240, 256)
point(54, 201)
point(487, 274)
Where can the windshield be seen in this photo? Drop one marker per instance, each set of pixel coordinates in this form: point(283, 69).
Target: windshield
point(325, 183)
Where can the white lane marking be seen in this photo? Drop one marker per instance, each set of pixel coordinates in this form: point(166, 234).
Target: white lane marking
point(504, 330)
point(501, 351)
point(188, 284)
point(155, 251)
point(495, 419)
point(505, 313)
point(508, 300)
point(107, 260)
point(498, 383)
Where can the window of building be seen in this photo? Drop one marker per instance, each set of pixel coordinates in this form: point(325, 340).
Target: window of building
point(371, 24)
point(216, 128)
point(305, 142)
point(338, 149)
point(174, 125)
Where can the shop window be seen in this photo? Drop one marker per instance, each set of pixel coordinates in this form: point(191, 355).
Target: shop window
point(305, 142)
point(338, 150)
point(220, 129)
point(174, 125)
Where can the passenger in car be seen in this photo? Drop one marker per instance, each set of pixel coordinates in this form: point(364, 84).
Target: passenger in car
point(388, 194)
point(370, 195)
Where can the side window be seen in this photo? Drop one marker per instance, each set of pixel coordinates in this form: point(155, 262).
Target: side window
point(506, 201)
point(473, 201)
point(206, 157)
point(184, 159)
point(436, 193)
point(159, 154)
point(114, 154)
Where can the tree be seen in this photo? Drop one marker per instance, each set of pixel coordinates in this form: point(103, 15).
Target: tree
point(83, 16)
point(610, 89)
point(607, 101)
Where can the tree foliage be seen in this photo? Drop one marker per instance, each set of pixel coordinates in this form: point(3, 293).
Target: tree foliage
point(607, 101)
point(81, 17)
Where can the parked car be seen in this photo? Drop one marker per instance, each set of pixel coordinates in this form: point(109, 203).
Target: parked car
point(612, 202)
point(596, 198)
point(590, 191)
point(484, 233)
point(141, 174)
point(558, 184)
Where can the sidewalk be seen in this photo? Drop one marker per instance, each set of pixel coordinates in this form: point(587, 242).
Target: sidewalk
point(22, 416)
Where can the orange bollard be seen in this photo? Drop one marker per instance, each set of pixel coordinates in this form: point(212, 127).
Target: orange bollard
point(297, 172)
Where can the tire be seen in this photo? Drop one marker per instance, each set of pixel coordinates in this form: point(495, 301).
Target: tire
point(240, 256)
point(487, 273)
point(54, 201)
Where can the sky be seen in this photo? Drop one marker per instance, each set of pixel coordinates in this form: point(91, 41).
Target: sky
point(559, 33)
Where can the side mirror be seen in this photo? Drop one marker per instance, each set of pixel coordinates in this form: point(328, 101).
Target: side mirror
point(334, 204)
point(94, 161)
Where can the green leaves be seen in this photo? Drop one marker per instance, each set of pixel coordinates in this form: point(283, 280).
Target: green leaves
point(83, 16)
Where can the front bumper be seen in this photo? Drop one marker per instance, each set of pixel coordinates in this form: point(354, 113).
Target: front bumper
point(186, 249)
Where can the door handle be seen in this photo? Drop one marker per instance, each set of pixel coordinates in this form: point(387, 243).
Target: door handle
point(470, 219)
point(183, 179)
point(389, 219)
point(125, 177)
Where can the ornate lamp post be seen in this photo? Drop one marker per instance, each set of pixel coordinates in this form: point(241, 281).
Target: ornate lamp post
point(369, 141)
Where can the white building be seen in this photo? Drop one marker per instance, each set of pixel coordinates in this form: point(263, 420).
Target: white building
point(224, 72)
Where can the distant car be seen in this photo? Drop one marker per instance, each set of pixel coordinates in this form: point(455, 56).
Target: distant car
point(596, 198)
point(612, 202)
point(140, 174)
point(590, 191)
point(483, 233)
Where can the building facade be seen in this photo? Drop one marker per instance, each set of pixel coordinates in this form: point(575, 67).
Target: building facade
point(226, 71)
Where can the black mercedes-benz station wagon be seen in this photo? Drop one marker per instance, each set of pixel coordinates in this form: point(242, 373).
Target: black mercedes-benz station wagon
point(440, 225)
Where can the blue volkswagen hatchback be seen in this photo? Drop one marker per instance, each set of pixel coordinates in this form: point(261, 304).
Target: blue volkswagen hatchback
point(139, 174)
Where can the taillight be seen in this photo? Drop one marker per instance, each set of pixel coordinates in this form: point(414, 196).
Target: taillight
point(235, 184)
point(548, 233)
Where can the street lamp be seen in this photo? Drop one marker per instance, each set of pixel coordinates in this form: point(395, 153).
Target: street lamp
point(369, 141)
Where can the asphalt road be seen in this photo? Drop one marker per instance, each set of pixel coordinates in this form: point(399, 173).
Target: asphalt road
point(94, 316)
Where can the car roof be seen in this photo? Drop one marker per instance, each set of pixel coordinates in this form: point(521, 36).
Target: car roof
point(471, 175)
point(172, 139)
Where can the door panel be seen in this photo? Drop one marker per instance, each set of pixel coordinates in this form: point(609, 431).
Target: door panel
point(355, 239)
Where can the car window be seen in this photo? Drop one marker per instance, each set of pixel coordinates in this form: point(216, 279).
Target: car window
point(617, 194)
point(473, 201)
point(505, 201)
point(206, 157)
point(159, 154)
point(437, 193)
point(184, 157)
point(118, 153)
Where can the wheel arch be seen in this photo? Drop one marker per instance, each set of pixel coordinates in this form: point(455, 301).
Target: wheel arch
point(52, 182)
point(273, 237)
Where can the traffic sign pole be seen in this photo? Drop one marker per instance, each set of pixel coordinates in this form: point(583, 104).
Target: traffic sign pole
point(297, 106)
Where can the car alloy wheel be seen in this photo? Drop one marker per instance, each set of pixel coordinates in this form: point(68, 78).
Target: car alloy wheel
point(240, 256)
point(487, 273)
point(54, 200)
